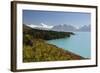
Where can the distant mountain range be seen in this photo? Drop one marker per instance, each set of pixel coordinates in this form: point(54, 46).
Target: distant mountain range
point(61, 27)
point(85, 28)
point(41, 26)
point(66, 27)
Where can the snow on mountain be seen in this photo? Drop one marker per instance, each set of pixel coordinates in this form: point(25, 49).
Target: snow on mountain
point(31, 25)
point(46, 26)
point(71, 28)
point(85, 28)
point(64, 27)
point(41, 26)
point(61, 27)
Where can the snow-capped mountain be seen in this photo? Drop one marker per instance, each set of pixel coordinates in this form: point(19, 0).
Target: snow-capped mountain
point(64, 27)
point(46, 26)
point(61, 27)
point(85, 28)
point(41, 26)
point(71, 28)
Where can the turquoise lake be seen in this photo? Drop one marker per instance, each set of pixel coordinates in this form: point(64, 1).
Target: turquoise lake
point(80, 43)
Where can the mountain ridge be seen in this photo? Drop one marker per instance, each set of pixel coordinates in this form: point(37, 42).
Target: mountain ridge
point(61, 27)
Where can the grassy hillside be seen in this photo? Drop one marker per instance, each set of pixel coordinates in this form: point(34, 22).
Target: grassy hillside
point(42, 51)
point(36, 49)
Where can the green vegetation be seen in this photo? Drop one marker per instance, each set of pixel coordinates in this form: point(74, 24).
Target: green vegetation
point(45, 34)
point(36, 49)
point(42, 51)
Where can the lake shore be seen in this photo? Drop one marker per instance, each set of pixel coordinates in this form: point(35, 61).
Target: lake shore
point(42, 51)
point(79, 43)
point(36, 49)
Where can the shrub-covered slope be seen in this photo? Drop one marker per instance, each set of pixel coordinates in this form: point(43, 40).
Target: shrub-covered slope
point(35, 47)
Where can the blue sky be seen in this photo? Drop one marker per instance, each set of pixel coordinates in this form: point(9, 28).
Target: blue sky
point(55, 18)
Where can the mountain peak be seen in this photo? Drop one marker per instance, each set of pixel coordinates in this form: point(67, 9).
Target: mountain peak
point(69, 28)
point(41, 26)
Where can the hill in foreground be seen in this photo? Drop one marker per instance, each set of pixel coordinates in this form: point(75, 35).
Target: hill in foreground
point(36, 49)
point(42, 51)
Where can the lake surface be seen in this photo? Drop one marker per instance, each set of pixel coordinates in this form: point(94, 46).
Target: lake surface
point(80, 43)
